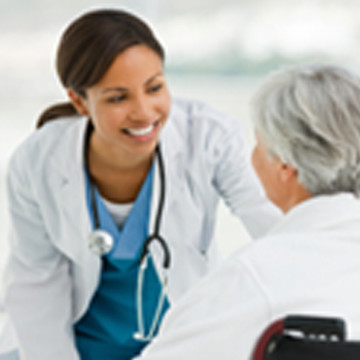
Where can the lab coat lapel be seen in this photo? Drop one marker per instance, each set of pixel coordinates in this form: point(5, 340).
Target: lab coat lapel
point(72, 224)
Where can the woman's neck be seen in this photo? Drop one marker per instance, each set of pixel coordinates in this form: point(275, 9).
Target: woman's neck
point(117, 175)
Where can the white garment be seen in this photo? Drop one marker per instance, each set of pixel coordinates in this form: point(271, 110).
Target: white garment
point(119, 212)
point(51, 274)
point(308, 264)
point(7, 337)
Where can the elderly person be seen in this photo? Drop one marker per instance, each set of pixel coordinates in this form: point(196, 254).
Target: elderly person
point(307, 123)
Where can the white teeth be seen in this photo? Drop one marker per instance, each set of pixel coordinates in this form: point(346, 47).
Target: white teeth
point(140, 132)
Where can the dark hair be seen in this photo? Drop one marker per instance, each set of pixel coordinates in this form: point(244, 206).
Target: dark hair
point(89, 46)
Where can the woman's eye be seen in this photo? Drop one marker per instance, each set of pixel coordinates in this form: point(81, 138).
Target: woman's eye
point(116, 99)
point(155, 88)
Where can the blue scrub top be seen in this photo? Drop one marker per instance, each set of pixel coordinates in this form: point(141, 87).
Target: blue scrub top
point(106, 330)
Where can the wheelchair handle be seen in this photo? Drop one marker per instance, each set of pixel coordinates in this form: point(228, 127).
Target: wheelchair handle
point(316, 326)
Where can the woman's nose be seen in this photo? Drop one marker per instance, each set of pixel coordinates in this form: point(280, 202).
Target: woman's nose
point(142, 109)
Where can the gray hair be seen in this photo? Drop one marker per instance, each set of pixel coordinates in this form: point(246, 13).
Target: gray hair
point(309, 117)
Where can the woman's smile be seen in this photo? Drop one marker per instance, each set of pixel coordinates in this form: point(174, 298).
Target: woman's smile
point(143, 134)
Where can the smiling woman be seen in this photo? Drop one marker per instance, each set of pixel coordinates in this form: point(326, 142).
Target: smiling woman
point(128, 108)
point(123, 167)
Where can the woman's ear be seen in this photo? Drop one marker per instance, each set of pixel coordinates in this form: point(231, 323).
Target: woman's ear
point(78, 101)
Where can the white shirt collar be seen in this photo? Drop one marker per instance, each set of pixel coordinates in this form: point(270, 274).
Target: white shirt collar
point(319, 212)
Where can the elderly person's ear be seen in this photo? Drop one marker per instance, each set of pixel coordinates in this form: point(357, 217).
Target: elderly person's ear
point(287, 173)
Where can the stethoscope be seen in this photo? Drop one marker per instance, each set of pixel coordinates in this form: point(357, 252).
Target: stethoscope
point(101, 243)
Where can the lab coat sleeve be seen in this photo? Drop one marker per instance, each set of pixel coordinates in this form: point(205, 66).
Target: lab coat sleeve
point(219, 319)
point(37, 283)
point(237, 184)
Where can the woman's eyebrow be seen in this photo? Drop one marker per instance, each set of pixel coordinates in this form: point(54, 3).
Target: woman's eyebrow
point(124, 89)
point(116, 88)
point(154, 77)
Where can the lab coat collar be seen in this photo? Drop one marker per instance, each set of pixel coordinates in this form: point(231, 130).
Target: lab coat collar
point(171, 144)
point(319, 213)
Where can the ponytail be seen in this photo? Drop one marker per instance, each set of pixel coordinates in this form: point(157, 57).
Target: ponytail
point(56, 111)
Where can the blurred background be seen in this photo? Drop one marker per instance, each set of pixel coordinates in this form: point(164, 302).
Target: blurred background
point(217, 51)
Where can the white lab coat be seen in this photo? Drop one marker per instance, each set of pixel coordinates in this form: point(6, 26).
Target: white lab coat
point(307, 264)
point(51, 275)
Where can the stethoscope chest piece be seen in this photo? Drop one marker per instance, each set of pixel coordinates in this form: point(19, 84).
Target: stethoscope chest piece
point(100, 242)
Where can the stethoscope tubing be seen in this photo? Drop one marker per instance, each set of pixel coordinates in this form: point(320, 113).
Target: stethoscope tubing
point(156, 234)
point(140, 334)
